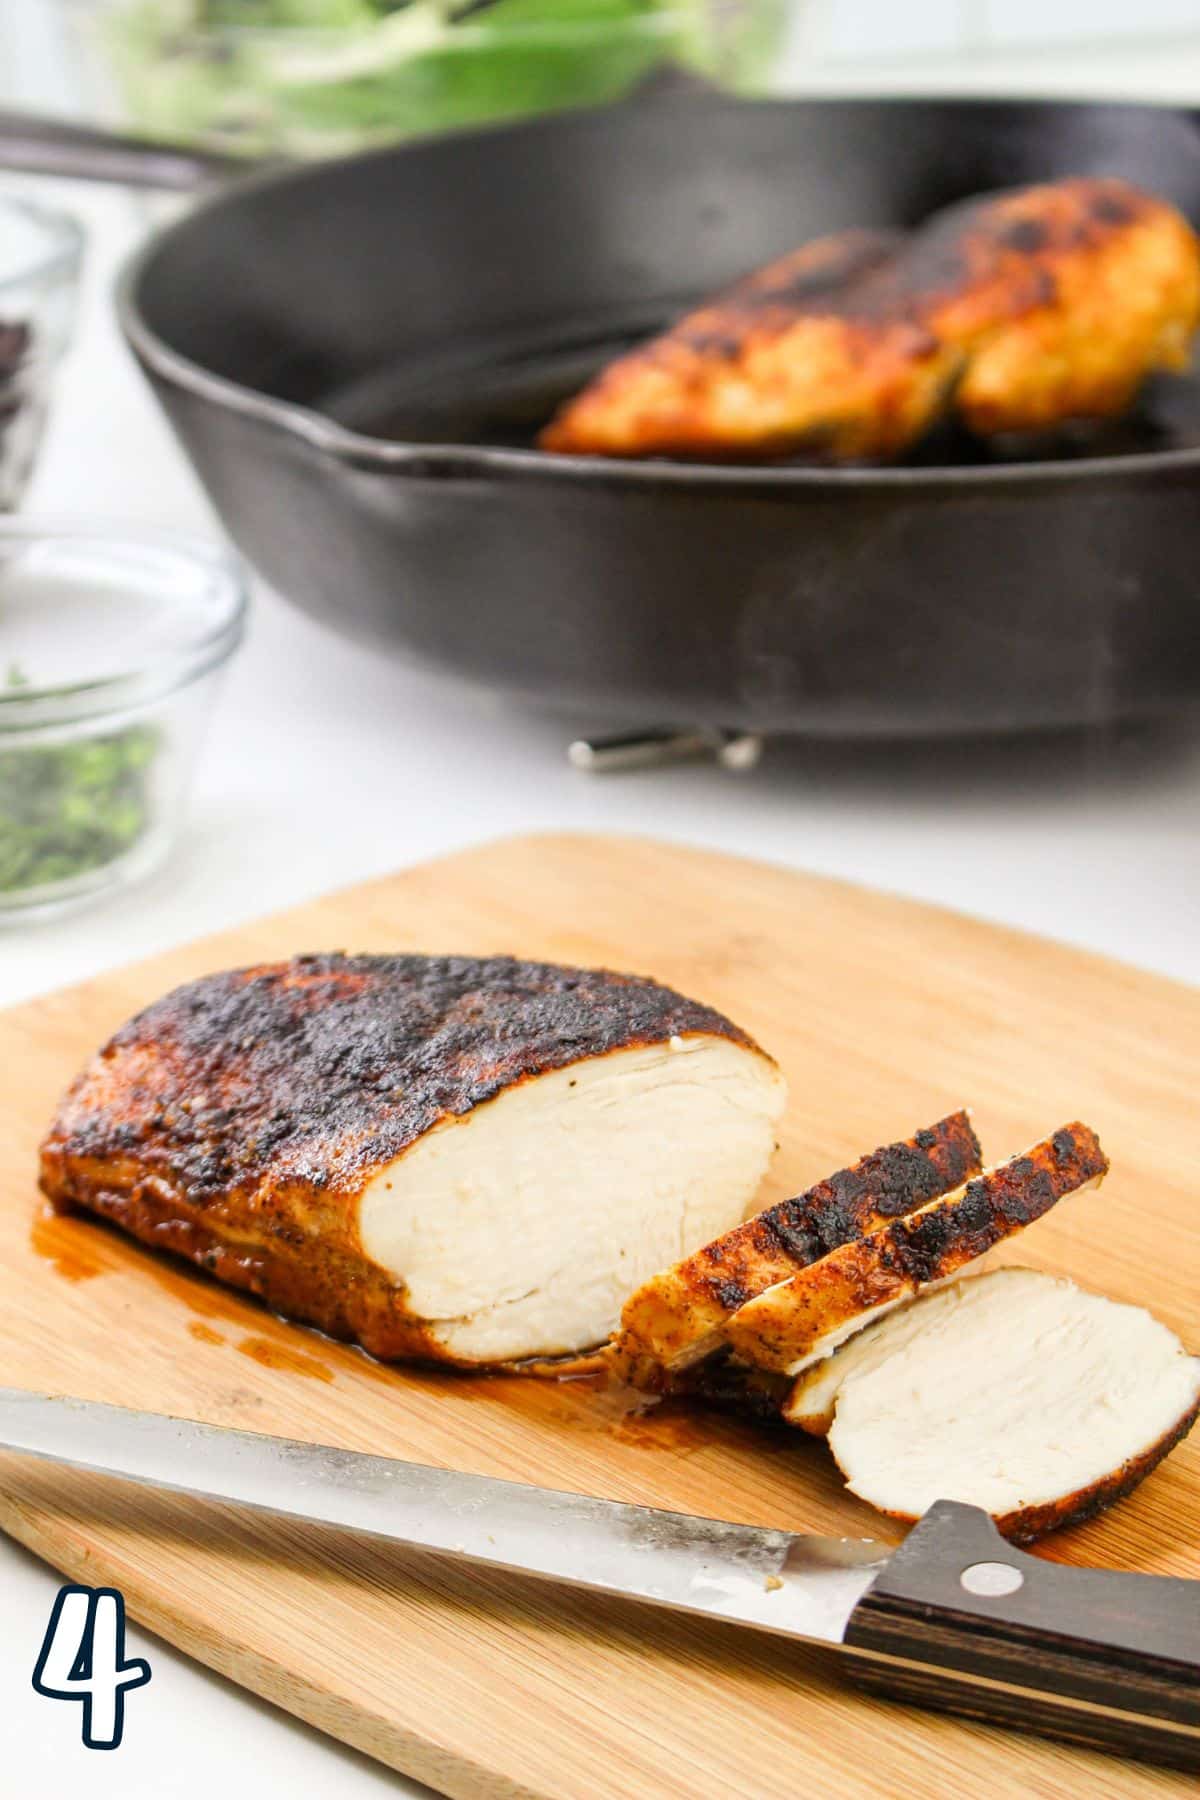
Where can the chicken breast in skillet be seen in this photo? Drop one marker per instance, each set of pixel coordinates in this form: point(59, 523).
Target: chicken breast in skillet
point(819, 351)
point(1020, 310)
point(440, 1157)
point(1063, 299)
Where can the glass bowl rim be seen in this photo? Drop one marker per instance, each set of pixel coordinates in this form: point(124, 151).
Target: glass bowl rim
point(61, 254)
point(61, 703)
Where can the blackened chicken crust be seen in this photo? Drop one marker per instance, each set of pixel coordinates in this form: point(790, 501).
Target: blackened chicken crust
point(1026, 1524)
point(790, 1321)
point(730, 1387)
point(237, 1120)
point(675, 1314)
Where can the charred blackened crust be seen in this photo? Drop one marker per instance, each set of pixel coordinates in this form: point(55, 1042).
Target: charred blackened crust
point(785, 1324)
point(1026, 1524)
point(235, 1121)
point(326, 1066)
point(887, 1184)
point(1022, 235)
point(1029, 1523)
point(824, 279)
point(727, 1386)
point(679, 1309)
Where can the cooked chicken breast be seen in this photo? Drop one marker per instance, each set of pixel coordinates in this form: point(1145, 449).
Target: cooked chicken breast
point(1062, 297)
point(675, 1319)
point(467, 1161)
point(1018, 1393)
point(1022, 310)
point(800, 1321)
point(811, 353)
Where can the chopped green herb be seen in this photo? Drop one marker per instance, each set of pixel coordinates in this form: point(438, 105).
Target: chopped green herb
point(68, 808)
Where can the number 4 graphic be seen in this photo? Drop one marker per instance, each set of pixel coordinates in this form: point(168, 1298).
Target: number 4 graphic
point(83, 1658)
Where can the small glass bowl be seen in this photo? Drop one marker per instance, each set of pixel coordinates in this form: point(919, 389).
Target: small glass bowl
point(112, 647)
point(40, 256)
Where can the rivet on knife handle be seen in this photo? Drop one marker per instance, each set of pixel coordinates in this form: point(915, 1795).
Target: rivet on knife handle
point(961, 1621)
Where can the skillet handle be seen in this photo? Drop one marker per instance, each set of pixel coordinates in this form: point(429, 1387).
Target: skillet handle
point(37, 146)
point(961, 1622)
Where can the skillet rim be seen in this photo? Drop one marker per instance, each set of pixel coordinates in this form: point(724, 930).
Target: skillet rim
point(428, 461)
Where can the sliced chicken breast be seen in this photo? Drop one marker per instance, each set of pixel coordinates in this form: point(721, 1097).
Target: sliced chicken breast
point(461, 1160)
point(675, 1319)
point(1014, 1391)
point(800, 1321)
point(810, 1400)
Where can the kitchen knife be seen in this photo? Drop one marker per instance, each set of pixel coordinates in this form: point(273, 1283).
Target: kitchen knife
point(954, 1619)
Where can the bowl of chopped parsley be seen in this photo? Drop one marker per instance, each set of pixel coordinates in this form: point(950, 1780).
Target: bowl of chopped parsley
point(112, 648)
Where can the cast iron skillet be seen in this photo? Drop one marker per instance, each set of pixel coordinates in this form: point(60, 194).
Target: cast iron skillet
point(356, 356)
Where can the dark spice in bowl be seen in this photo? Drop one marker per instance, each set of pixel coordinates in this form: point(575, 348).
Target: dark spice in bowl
point(40, 255)
point(15, 341)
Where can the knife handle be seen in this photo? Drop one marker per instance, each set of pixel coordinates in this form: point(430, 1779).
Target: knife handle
point(962, 1622)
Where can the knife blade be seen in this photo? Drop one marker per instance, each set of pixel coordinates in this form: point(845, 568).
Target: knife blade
point(804, 1586)
point(955, 1618)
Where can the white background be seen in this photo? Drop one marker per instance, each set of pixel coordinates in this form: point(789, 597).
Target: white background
point(325, 765)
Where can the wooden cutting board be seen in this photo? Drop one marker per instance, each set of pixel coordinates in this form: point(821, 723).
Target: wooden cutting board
point(884, 1015)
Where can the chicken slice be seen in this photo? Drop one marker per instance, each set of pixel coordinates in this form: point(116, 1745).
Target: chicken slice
point(808, 353)
point(675, 1319)
point(810, 1399)
point(798, 1322)
point(460, 1160)
point(1019, 1393)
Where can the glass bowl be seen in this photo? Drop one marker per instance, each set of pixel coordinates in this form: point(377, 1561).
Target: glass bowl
point(40, 256)
point(113, 649)
point(323, 77)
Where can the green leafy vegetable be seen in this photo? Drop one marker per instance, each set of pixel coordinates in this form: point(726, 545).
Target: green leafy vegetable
point(319, 75)
point(69, 808)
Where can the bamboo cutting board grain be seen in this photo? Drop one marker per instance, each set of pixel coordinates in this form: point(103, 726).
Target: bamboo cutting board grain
point(884, 1014)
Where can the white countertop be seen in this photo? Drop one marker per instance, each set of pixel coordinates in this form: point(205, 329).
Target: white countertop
point(326, 765)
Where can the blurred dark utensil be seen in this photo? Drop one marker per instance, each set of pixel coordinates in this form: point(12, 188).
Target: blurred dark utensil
point(37, 146)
